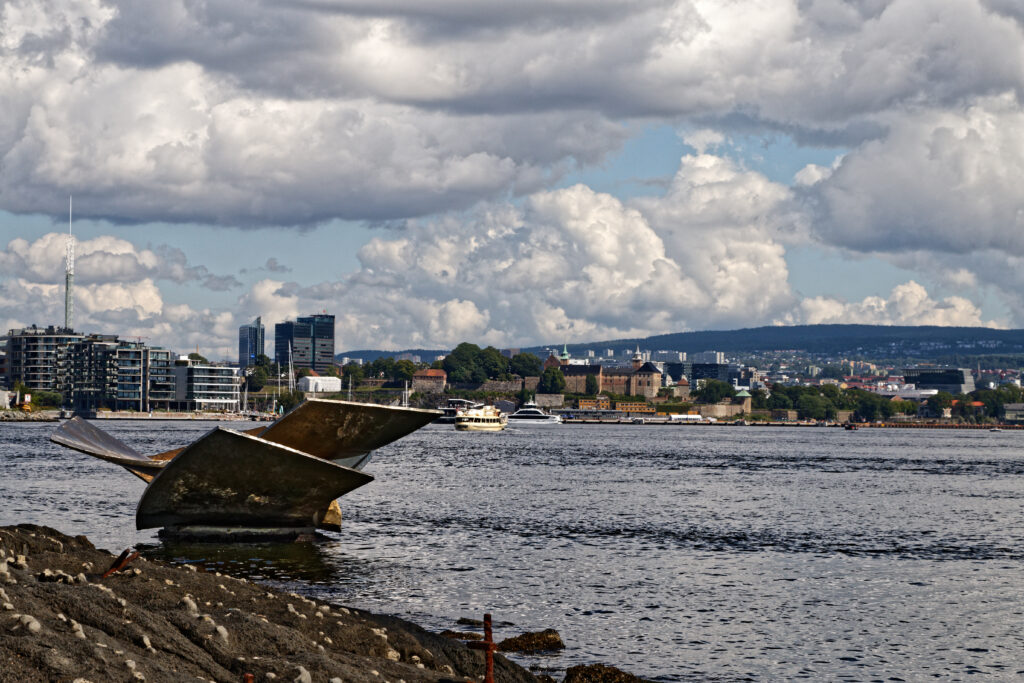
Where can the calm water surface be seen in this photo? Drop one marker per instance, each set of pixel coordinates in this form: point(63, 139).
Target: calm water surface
point(676, 553)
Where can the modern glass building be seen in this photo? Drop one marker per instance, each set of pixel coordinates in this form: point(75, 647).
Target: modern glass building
point(250, 343)
point(32, 355)
point(99, 371)
point(199, 386)
point(952, 380)
point(311, 340)
point(322, 327)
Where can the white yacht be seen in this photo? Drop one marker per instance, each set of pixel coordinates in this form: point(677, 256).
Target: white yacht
point(530, 414)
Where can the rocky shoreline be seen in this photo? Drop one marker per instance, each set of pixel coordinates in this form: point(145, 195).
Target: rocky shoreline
point(61, 620)
point(22, 416)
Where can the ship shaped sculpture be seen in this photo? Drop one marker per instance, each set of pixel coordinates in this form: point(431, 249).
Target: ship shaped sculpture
point(279, 480)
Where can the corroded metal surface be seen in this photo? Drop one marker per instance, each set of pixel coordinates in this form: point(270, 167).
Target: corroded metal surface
point(344, 432)
point(81, 436)
point(286, 475)
point(227, 478)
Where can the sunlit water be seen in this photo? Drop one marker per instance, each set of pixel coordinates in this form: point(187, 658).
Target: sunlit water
point(675, 553)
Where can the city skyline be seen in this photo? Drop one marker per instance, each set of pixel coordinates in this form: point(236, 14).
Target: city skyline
point(516, 176)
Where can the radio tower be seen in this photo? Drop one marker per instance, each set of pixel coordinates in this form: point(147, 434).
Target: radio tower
point(69, 276)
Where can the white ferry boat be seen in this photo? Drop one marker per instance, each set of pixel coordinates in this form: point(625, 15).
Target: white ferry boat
point(452, 407)
point(486, 419)
point(529, 414)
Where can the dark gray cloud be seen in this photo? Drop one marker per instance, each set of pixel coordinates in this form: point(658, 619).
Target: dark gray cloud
point(232, 113)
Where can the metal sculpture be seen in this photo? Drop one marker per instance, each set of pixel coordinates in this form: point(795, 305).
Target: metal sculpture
point(280, 480)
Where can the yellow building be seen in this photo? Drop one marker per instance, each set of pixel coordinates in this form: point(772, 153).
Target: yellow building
point(635, 407)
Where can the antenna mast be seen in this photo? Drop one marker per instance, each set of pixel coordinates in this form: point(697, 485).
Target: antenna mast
point(69, 275)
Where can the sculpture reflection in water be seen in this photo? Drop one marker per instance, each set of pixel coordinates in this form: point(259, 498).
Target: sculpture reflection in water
point(277, 481)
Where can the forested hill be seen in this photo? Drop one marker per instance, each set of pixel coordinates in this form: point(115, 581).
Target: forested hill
point(872, 340)
point(875, 341)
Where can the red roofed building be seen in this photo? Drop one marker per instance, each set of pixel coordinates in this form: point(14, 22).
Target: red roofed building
point(429, 381)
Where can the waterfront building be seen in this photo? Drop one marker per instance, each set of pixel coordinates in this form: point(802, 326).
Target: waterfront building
point(32, 355)
point(250, 343)
point(639, 379)
point(200, 386)
point(576, 377)
point(635, 408)
point(1013, 413)
point(596, 403)
point(309, 340)
point(429, 381)
point(952, 380)
point(101, 372)
point(86, 375)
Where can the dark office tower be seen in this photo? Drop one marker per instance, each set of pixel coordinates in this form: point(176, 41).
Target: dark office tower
point(296, 336)
point(321, 327)
point(250, 343)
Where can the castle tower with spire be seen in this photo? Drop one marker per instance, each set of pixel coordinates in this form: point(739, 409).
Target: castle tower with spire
point(69, 276)
point(638, 360)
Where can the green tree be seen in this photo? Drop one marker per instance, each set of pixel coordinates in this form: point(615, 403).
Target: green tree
point(353, 372)
point(257, 379)
point(382, 368)
point(303, 372)
point(526, 365)
point(262, 361)
point(494, 364)
point(591, 385)
point(551, 382)
point(714, 391)
point(197, 357)
point(779, 400)
point(813, 407)
point(404, 370)
point(939, 402)
point(829, 391)
point(905, 407)
point(524, 395)
point(290, 399)
point(463, 364)
point(758, 399)
point(46, 399)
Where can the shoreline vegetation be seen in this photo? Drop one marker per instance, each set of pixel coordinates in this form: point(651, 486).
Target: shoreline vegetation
point(154, 621)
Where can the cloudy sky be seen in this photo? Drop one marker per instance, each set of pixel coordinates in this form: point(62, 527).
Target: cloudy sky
point(511, 173)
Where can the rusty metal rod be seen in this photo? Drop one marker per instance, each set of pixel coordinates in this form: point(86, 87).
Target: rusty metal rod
point(488, 647)
point(121, 562)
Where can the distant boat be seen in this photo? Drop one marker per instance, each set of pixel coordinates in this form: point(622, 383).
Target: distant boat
point(850, 427)
point(995, 429)
point(452, 406)
point(529, 414)
point(486, 419)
